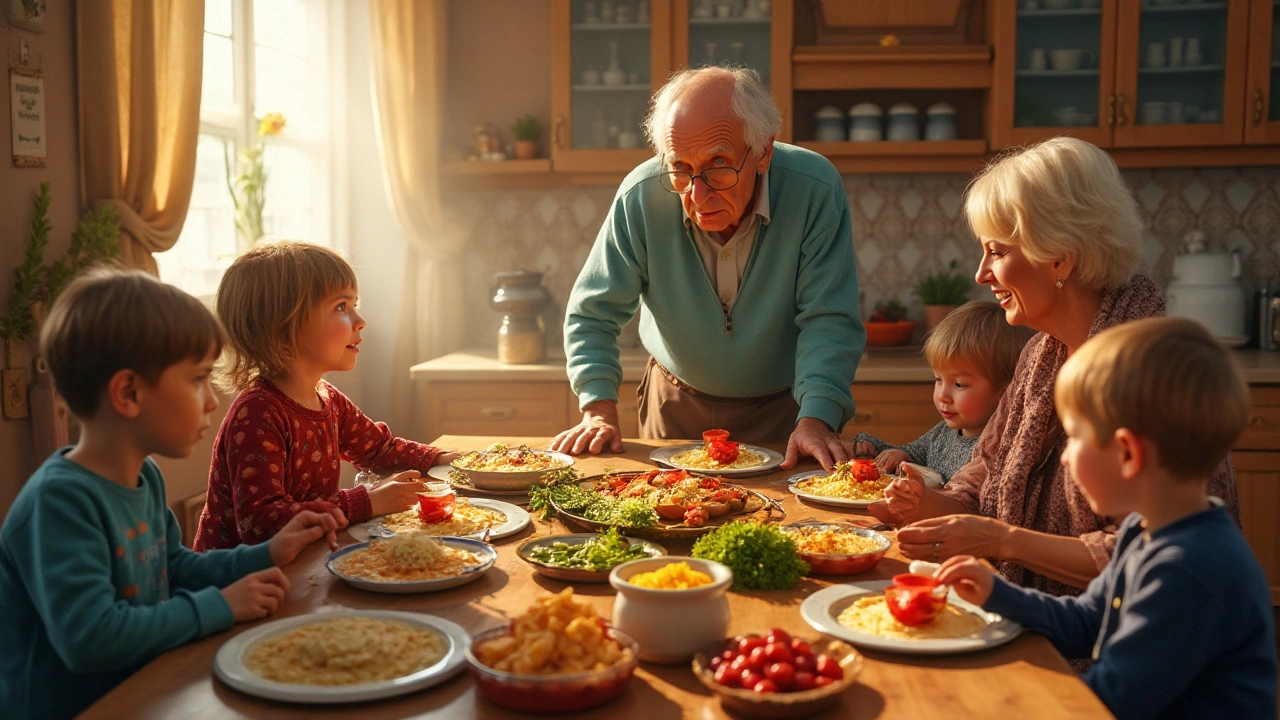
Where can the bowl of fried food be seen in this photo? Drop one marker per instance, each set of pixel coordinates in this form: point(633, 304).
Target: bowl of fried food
point(832, 549)
point(501, 467)
point(776, 675)
point(589, 665)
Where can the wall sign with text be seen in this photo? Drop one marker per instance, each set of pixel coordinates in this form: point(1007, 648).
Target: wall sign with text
point(26, 110)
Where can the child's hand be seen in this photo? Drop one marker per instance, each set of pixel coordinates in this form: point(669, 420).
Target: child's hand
point(445, 458)
point(397, 493)
point(864, 449)
point(305, 528)
point(256, 595)
point(889, 460)
point(971, 579)
point(900, 500)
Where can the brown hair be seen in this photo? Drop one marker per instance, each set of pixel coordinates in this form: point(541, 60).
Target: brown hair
point(111, 319)
point(1165, 379)
point(977, 334)
point(265, 299)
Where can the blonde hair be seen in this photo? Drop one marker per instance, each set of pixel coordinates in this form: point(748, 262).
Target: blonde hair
point(266, 298)
point(752, 103)
point(977, 334)
point(1165, 379)
point(1062, 197)
point(111, 319)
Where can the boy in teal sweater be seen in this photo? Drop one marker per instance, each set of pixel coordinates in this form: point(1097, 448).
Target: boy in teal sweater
point(94, 580)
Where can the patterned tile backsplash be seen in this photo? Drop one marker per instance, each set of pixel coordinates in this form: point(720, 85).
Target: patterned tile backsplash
point(903, 226)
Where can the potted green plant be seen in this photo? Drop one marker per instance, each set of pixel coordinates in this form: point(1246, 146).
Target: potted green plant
point(526, 130)
point(888, 324)
point(942, 292)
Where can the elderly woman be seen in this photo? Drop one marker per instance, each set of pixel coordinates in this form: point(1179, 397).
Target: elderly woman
point(1061, 238)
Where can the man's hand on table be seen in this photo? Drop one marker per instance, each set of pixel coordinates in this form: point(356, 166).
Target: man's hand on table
point(813, 438)
point(599, 429)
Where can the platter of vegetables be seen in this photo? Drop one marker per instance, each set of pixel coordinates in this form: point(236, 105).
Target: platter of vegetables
point(653, 504)
point(585, 557)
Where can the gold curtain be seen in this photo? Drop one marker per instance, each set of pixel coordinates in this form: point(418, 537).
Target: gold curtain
point(139, 68)
point(407, 57)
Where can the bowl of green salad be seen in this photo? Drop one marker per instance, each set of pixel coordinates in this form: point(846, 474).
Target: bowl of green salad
point(585, 557)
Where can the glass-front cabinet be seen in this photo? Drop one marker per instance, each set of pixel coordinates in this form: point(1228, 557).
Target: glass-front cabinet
point(1180, 72)
point(608, 58)
point(1262, 90)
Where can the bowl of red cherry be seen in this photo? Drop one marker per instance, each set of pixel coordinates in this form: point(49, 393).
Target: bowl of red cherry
point(776, 675)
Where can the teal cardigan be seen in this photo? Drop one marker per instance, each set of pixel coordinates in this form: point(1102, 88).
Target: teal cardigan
point(794, 324)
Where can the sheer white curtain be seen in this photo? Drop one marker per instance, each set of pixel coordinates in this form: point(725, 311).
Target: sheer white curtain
point(408, 53)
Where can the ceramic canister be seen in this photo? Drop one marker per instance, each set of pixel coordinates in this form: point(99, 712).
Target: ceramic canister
point(671, 625)
point(830, 124)
point(941, 122)
point(865, 123)
point(1205, 288)
point(904, 122)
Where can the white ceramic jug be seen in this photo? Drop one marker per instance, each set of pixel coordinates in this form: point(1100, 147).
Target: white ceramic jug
point(1206, 288)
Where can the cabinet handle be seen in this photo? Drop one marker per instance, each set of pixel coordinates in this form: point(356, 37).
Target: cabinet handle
point(556, 132)
point(498, 412)
point(1257, 106)
point(862, 417)
point(1111, 111)
point(1120, 118)
point(1256, 421)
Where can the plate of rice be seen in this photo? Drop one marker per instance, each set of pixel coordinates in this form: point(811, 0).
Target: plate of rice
point(751, 459)
point(344, 656)
point(840, 487)
point(412, 563)
point(857, 614)
point(472, 517)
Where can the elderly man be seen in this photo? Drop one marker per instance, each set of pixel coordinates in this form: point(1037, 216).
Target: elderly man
point(738, 251)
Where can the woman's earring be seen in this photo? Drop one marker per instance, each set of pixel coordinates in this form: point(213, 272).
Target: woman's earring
point(1059, 284)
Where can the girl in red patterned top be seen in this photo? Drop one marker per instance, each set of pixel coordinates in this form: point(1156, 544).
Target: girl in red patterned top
point(289, 309)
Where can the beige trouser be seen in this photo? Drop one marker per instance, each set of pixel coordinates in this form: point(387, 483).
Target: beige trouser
point(671, 409)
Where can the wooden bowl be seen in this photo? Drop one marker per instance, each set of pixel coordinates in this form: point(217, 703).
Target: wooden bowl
point(749, 703)
point(894, 333)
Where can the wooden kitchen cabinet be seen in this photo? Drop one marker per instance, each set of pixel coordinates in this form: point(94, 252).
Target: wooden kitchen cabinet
point(894, 412)
point(1151, 76)
point(1262, 88)
point(497, 408)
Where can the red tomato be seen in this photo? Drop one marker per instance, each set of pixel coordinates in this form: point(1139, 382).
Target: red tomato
point(726, 676)
point(750, 678)
point(716, 662)
point(747, 644)
point(740, 664)
point(729, 654)
point(782, 674)
point(758, 658)
point(828, 667)
point(723, 451)
point(777, 652)
point(800, 647)
point(865, 471)
point(806, 680)
point(778, 635)
point(914, 608)
point(804, 662)
point(822, 681)
point(765, 686)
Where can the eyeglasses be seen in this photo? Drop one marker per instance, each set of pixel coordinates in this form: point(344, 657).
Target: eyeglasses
point(719, 178)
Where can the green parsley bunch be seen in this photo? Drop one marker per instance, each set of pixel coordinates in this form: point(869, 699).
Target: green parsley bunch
point(762, 557)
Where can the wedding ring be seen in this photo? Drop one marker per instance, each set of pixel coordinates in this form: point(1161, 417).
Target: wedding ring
point(935, 550)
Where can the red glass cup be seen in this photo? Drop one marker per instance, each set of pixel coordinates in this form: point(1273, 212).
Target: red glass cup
point(435, 504)
point(914, 599)
point(710, 436)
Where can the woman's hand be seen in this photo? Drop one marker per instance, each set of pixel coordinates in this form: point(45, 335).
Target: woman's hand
point(889, 460)
point(950, 535)
point(901, 498)
point(398, 492)
point(971, 580)
point(303, 529)
point(599, 428)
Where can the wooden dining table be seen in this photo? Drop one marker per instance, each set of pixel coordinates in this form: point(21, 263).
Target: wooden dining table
point(1024, 678)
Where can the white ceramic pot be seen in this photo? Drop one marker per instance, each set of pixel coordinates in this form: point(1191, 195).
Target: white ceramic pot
point(1205, 288)
point(671, 625)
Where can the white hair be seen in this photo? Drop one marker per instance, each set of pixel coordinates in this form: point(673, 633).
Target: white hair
point(752, 104)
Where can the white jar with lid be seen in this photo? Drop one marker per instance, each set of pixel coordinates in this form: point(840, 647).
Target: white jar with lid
point(671, 625)
point(904, 123)
point(830, 124)
point(940, 122)
point(865, 122)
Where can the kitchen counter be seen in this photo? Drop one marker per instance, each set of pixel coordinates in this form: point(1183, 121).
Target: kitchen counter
point(878, 366)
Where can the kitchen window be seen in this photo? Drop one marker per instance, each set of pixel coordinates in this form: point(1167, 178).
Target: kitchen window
point(260, 57)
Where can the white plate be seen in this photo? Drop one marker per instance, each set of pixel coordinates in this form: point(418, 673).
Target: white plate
point(401, 587)
point(663, 456)
point(229, 665)
point(823, 499)
point(441, 472)
point(822, 609)
point(517, 520)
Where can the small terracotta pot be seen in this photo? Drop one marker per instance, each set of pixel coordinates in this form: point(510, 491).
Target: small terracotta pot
point(933, 315)
point(526, 149)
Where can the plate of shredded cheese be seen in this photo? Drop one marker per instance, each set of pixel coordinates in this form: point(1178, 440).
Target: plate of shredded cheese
point(838, 488)
point(751, 459)
point(856, 613)
point(412, 563)
point(343, 656)
point(471, 518)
